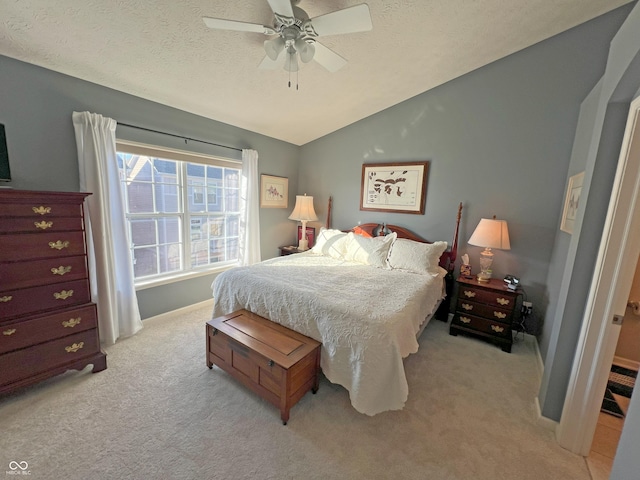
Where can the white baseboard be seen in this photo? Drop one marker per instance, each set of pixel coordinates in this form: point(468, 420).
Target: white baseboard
point(626, 363)
point(544, 422)
point(186, 309)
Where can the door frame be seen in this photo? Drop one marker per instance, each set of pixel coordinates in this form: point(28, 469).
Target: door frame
point(608, 296)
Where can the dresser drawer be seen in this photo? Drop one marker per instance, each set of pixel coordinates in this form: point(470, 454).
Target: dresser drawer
point(25, 333)
point(40, 209)
point(38, 225)
point(32, 300)
point(487, 311)
point(42, 272)
point(15, 247)
point(485, 296)
point(31, 361)
point(479, 324)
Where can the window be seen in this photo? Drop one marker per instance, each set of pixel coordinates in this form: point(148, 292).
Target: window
point(182, 210)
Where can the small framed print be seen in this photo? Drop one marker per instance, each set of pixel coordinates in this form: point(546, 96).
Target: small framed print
point(311, 235)
point(274, 191)
point(571, 202)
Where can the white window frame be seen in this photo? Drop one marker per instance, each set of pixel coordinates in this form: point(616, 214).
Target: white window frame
point(154, 151)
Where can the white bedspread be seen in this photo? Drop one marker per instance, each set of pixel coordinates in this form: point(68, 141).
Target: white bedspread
point(366, 318)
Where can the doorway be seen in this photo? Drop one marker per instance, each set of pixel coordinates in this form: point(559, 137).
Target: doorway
point(608, 296)
point(615, 405)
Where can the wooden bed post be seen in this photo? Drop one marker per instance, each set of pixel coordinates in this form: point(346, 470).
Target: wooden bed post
point(454, 245)
point(443, 310)
point(328, 224)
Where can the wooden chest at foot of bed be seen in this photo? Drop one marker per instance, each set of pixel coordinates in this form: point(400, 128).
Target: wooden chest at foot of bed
point(278, 364)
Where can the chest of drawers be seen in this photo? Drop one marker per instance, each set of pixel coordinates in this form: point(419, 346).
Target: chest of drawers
point(486, 310)
point(47, 321)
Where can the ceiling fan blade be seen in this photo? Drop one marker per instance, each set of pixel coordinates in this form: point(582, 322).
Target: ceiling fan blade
point(328, 58)
point(222, 24)
point(349, 20)
point(281, 7)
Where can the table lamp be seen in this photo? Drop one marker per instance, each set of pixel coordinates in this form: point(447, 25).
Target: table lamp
point(303, 212)
point(490, 233)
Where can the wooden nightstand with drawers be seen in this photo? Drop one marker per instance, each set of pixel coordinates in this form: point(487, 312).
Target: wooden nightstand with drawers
point(485, 309)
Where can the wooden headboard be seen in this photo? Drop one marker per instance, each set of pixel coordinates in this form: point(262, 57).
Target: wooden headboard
point(447, 259)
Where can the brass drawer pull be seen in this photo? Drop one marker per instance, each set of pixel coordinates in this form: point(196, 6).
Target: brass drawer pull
point(59, 245)
point(499, 315)
point(61, 270)
point(10, 331)
point(497, 329)
point(467, 307)
point(271, 363)
point(43, 225)
point(465, 319)
point(72, 322)
point(63, 295)
point(6, 298)
point(41, 210)
point(469, 293)
point(502, 301)
point(74, 348)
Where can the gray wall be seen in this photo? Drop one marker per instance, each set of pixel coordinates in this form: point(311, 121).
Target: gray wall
point(36, 106)
point(596, 151)
point(498, 139)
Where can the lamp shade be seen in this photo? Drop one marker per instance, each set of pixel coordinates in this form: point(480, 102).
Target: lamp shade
point(303, 211)
point(491, 233)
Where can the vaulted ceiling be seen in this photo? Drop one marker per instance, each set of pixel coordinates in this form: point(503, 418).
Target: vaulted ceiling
point(161, 50)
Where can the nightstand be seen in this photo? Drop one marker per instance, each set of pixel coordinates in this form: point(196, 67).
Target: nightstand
point(486, 310)
point(288, 250)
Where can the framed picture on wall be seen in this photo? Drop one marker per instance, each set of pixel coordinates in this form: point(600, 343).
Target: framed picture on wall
point(394, 187)
point(274, 191)
point(311, 235)
point(571, 202)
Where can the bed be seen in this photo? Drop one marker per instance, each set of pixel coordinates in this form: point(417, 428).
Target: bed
point(365, 294)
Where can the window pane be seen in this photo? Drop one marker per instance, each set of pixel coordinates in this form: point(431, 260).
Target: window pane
point(232, 200)
point(232, 178)
point(170, 258)
point(199, 254)
point(167, 199)
point(232, 249)
point(169, 230)
point(140, 197)
point(143, 232)
point(216, 250)
point(144, 261)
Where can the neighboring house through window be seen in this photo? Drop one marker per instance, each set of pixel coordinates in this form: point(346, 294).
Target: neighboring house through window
point(182, 210)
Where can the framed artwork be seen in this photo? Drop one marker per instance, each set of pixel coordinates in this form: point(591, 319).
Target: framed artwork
point(571, 202)
point(311, 235)
point(274, 192)
point(394, 187)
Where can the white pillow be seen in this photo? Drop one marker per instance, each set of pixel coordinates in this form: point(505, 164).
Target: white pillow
point(369, 250)
point(417, 257)
point(330, 242)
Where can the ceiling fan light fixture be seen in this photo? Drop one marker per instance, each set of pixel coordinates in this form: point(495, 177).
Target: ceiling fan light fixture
point(274, 47)
point(306, 50)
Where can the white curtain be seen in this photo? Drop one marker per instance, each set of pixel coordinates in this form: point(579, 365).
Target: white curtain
point(110, 262)
point(249, 234)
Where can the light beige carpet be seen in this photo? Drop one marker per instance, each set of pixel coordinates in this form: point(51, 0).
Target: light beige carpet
point(158, 412)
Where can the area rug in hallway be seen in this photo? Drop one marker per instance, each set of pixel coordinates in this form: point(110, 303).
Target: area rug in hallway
point(610, 405)
point(622, 380)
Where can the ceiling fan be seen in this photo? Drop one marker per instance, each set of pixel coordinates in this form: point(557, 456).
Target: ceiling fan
point(295, 34)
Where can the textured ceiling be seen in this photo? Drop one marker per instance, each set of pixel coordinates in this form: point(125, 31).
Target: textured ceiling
point(161, 50)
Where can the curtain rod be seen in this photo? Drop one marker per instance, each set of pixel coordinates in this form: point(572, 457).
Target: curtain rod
point(179, 136)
